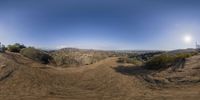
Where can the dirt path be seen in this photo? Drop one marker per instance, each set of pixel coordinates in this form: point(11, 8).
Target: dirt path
point(99, 81)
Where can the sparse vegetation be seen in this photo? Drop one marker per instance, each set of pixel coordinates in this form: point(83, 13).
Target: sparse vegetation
point(76, 57)
point(167, 60)
point(146, 56)
point(15, 47)
point(36, 55)
point(137, 59)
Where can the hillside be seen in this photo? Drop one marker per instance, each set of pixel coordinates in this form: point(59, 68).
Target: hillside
point(24, 79)
point(76, 57)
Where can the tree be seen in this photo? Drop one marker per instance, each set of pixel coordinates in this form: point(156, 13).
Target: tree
point(16, 47)
point(3, 47)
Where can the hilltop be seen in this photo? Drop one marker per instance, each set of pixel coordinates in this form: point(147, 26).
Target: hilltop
point(77, 57)
point(23, 78)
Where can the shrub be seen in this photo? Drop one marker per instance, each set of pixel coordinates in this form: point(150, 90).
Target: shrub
point(166, 60)
point(15, 47)
point(60, 60)
point(3, 48)
point(185, 55)
point(146, 56)
point(161, 61)
point(36, 55)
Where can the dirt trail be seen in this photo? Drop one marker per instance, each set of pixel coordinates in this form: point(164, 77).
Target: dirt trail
point(30, 80)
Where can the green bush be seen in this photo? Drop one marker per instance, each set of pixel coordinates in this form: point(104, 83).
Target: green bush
point(167, 60)
point(15, 47)
point(185, 55)
point(36, 55)
point(161, 61)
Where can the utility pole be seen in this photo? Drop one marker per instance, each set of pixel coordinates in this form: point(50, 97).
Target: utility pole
point(197, 45)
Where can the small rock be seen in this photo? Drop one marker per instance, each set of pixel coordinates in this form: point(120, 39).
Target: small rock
point(2, 66)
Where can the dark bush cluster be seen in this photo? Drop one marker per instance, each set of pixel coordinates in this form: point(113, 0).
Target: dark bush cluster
point(36, 55)
point(146, 56)
point(3, 48)
point(166, 60)
point(15, 47)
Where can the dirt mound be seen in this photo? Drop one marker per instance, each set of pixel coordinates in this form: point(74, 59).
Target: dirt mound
point(37, 55)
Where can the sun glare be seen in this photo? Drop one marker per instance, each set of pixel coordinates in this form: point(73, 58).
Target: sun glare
point(187, 39)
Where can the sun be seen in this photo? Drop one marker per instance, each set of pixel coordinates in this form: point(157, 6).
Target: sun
point(187, 39)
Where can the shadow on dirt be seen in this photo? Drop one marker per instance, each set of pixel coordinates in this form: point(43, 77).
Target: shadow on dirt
point(132, 70)
point(179, 64)
point(151, 76)
point(139, 72)
point(142, 70)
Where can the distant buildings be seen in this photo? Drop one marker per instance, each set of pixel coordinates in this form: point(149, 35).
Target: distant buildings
point(197, 45)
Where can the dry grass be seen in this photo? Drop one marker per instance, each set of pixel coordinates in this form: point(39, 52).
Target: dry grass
point(166, 60)
point(30, 80)
point(78, 57)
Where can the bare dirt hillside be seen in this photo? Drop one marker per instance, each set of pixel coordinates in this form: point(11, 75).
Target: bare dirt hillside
point(25, 79)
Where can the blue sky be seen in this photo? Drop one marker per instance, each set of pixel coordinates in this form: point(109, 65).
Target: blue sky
point(100, 24)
